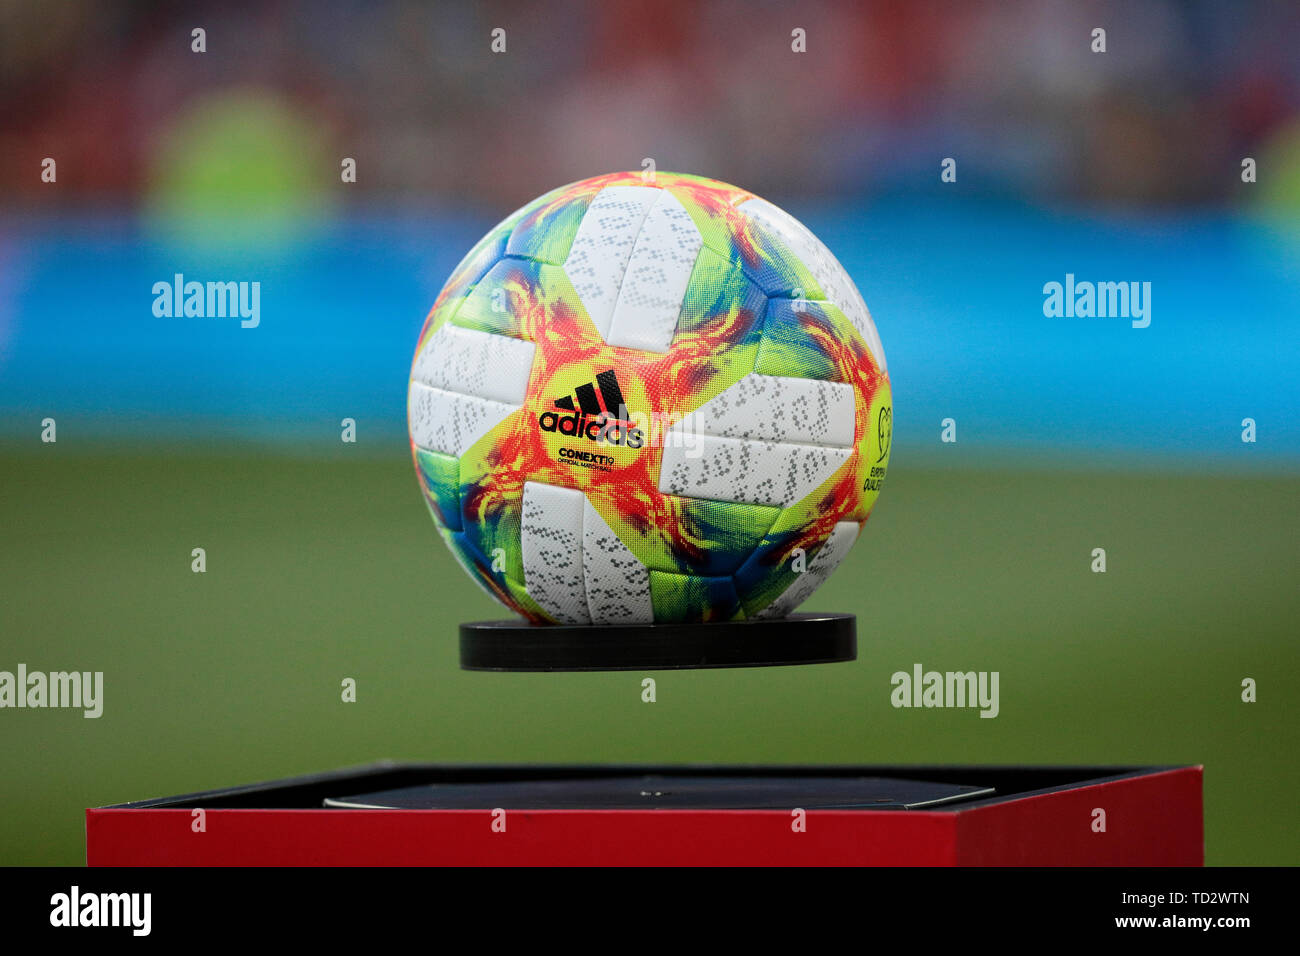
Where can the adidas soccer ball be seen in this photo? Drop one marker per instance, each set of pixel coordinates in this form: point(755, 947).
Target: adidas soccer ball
point(649, 401)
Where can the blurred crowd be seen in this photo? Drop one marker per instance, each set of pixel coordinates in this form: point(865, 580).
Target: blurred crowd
point(415, 94)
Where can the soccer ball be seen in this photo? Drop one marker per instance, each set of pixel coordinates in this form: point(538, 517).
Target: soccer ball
point(649, 400)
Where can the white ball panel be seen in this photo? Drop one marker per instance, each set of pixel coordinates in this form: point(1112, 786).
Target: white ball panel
point(658, 271)
point(551, 548)
point(450, 422)
point(737, 469)
point(779, 409)
point(473, 362)
point(603, 246)
point(617, 583)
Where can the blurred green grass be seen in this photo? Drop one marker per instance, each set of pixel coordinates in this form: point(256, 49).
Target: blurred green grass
point(321, 569)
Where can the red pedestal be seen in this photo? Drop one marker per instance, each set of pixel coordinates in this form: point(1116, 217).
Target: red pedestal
point(1038, 817)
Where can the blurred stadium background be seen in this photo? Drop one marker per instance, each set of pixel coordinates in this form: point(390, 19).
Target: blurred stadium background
point(1072, 433)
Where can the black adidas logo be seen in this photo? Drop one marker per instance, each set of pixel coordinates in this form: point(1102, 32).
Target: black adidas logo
point(600, 414)
point(610, 401)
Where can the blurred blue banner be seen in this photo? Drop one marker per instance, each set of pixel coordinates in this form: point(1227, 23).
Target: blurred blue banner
point(956, 289)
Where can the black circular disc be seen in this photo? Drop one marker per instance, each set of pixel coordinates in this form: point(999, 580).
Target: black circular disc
point(797, 639)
